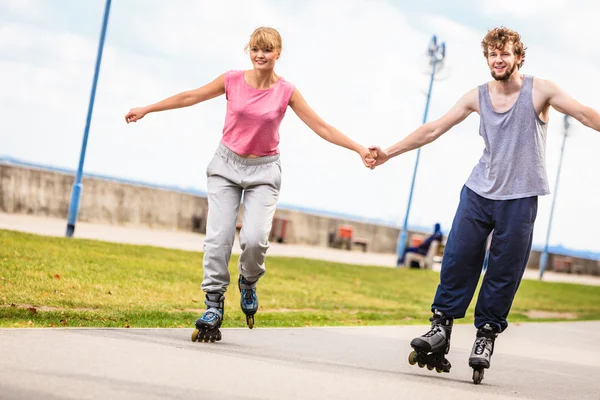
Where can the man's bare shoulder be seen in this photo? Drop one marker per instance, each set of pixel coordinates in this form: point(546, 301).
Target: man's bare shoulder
point(470, 100)
point(544, 85)
point(543, 91)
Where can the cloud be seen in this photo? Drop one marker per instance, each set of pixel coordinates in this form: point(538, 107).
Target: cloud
point(30, 9)
point(522, 9)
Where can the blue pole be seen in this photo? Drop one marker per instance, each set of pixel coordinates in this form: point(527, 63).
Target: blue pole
point(76, 192)
point(403, 233)
point(544, 256)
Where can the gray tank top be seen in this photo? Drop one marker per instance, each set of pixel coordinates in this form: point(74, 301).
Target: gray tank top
point(513, 164)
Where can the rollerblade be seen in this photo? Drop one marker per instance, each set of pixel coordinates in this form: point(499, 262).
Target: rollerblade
point(431, 348)
point(481, 355)
point(248, 299)
point(207, 326)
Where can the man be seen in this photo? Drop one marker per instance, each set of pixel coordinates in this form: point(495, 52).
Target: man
point(423, 248)
point(500, 195)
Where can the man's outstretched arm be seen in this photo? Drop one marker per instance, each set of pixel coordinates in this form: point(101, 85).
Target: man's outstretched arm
point(430, 131)
point(565, 104)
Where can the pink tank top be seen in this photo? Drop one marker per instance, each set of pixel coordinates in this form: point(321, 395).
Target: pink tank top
point(254, 115)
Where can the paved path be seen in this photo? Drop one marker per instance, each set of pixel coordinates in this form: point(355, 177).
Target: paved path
point(194, 242)
point(531, 361)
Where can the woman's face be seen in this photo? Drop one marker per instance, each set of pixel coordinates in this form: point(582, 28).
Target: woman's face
point(263, 59)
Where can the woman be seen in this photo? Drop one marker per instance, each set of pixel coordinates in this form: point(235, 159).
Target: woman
point(246, 161)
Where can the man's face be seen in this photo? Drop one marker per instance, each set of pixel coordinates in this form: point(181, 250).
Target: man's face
point(502, 62)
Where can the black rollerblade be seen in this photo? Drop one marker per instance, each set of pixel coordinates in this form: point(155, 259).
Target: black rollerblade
point(481, 355)
point(207, 326)
point(431, 348)
point(248, 299)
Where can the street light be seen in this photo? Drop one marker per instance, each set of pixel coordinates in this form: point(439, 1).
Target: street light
point(76, 192)
point(544, 256)
point(435, 62)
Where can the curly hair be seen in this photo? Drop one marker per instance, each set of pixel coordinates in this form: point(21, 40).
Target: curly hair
point(497, 38)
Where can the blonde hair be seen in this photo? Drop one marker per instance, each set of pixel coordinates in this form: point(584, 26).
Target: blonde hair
point(265, 38)
point(497, 38)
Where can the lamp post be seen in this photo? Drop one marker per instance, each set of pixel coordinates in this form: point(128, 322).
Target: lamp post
point(76, 191)
point(436, 54)
point(544, 256)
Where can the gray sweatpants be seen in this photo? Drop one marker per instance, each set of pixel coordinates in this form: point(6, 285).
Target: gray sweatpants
point(229, 175)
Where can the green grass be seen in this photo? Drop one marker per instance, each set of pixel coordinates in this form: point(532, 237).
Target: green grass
point(50, 281)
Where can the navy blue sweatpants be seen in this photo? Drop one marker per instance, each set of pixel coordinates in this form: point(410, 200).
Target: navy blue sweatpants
point(512, 222)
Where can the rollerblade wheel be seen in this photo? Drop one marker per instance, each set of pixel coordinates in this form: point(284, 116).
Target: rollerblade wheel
point(412, 358)
point(250, 321)
point(430, 367)
point(195, 335)
point(477, 376)
point(421, 365)
point(438, 370)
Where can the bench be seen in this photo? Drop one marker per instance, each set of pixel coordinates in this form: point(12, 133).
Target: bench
point(363, 242)
point(424, 261)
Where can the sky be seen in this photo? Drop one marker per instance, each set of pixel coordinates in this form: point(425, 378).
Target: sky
point(359, 65)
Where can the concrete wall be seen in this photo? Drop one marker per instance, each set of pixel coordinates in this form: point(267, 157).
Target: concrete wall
point(42, 192)
point(314, 230)
point(565, 264)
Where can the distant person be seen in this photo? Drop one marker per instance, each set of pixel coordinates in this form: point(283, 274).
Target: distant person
point(246, 162)
point(423, 248)
point(501, 195)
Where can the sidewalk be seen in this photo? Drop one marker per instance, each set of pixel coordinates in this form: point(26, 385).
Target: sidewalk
point(551, 361)
point(194, 242)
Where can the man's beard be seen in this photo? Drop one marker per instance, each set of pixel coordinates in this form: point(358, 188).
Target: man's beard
point(505, 75)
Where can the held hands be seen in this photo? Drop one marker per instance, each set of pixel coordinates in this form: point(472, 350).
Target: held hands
point(135, 114)
point(374, 156)
point(368, 157)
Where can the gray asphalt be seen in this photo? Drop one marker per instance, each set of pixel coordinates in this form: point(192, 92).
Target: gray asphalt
point(531, 361)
